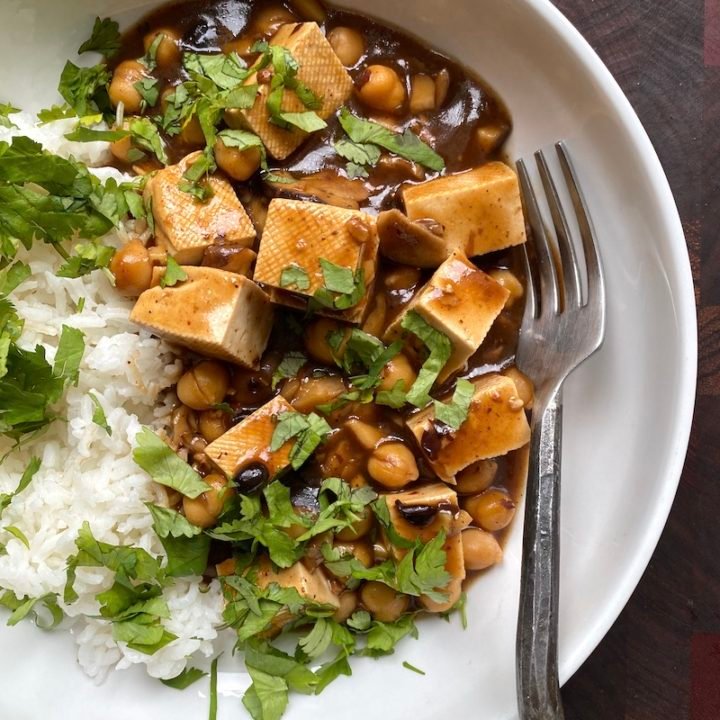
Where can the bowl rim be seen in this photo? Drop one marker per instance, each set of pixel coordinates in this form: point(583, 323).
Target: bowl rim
point(683, 294)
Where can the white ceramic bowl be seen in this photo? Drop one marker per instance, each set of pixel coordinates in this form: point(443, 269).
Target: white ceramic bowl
point(628, 410)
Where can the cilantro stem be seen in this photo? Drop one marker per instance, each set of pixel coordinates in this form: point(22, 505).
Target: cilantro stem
point(212, 715)
point(61, 251)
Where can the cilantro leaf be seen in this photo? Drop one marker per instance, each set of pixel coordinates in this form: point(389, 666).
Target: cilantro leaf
point(170, 523)
point(69, 354)
point(146, 135)
point(56, 112)
point(14, 275)
point(105, 38)
point(358, 153)
point(23, 607)
point(342, 288)
point(267, 697)
point(185, 679)
point(149, 90)
point(28, 474)
point(173, 273)
point(18, 534)
point(289, 367)
point(440, 349)
point(383, 637)
point(226, 71)
point(395, 398)
point(5, 111)
point(308, 121)
point(294, 276)
point(337, 278)
point(243, 140)
point(455, 412)
point(406, 145)
point(99, 417)
point(309, 431)
point(85, 89)
point(89, 257)
point(354, 170)
point(86, 134)
point(164, 465)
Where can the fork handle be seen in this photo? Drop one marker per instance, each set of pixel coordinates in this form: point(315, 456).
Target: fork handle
point(538, 686)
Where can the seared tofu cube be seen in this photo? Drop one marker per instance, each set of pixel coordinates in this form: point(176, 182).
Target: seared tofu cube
point(460, 301)
point(216, 313)
point(184, 226)
point(442, 501)
point(319, 69)
point(312, 585)
point(495, 425)
point(299, 234)
point(249, 441)
point(480, 210)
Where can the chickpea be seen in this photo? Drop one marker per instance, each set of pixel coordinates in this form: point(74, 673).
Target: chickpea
point(381, 88)
point(238, 164)
point(358, 529)
point(316, 339)
point(348, 45)
point(318, 391)
point(510, 282)
point(213, 424)
point(348, 604)
point(480, 549)
point(122, 86)
point(492, 510)
point(204, 385)
point(399, 368)
point(361, 550)
point(393, 465)
point(382, 602)
point(191, 133)
point(204, 510)
point(476, 478)
point(132, 267)
point(422, 94)
point(523, 385)
point(269, 19)
point(368, 436)
point(309, 10)
point(168, 50)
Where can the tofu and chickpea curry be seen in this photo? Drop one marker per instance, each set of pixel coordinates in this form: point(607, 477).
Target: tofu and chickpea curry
point(332, 245)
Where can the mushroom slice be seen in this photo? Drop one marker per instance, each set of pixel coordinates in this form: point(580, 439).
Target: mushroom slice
point(326, 186)
point(411, 242)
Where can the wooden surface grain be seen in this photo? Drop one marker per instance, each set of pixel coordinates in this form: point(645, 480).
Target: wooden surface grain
point(661, 660)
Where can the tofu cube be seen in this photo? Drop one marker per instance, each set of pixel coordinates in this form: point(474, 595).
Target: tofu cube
point(495, 425)
point(300, 234)
point(311, 585)
point(184, 226)
point(480, 210)
point(216, 313)
point(460, 301)
point(319, 69)
point(448, 518)
point(249, 441)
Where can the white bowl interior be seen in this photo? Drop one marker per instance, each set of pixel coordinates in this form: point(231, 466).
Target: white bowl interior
point(628, 410)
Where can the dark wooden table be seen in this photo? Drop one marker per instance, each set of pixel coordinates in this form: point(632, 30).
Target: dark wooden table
point(661, 660)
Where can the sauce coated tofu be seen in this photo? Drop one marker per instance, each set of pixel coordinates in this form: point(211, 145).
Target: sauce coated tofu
point(311, 585)
point(216, 313)
point(448, 518)
point(249, 441)
point(460, 301)
point(185, 227)
point(480, 210)
point(320, 70)
point(495, 425)
point(300, 234)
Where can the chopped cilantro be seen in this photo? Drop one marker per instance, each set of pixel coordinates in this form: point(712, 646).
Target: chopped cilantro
point(86, 134)
point(294, 276)
point(84, 89)
point(173, 273)
point(406, 145)
point(455, 412)
point(212, 713)
point(98, 416)
point(440, 349)
point(354, 170)
point(5, 111)
point(185, 679)
point(149, 91)
point(164, 465)
point(289, 367)
point(80, 306)
point(412, 668)
point(88, 257)
point(105, 38)
point(18, 534)
point(186, 547)
point(69, 354)
point(308, 430)
point(56, 112)
point(26, 606)
point(342, 287)
point(395, 398)
point(146, 135)
point(29, 473)
point(14, 275)
point(149, 59)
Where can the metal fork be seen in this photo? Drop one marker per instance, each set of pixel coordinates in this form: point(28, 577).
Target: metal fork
point(561, 328)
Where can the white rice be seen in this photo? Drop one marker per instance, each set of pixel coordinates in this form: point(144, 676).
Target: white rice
point(87, 475)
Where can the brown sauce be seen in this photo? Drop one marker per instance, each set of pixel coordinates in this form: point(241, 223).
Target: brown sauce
point(208, 26)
